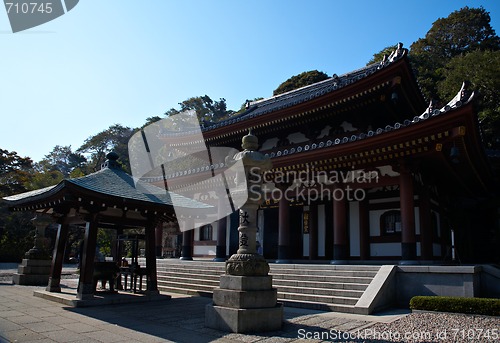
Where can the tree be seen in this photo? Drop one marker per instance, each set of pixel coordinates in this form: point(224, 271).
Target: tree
point(14, 172)
point(303, 79)
point(243, 106)
point(207, 110)
point(15, 228)
point(482, 70)
point(461, 32)
point(61, 159)
point(115, 138)
point(151, 120)
point(379, 56)
point(45, 178)
point(16, 234)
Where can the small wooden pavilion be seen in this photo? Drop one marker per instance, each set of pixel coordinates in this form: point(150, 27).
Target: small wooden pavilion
point(108, 198)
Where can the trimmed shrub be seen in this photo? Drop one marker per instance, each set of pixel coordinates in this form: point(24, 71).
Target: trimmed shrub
point(484, 306)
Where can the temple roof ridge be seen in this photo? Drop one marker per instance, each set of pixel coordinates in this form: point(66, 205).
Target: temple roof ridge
point(309, 92)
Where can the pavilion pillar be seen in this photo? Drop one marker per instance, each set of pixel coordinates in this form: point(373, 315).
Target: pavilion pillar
point(114, 246)
point(425, 225)
point(151, 280)
point(86, 284)
point(313, 232)
point(284, 230)
point(58, 259)
point(159, 239)
point(339, 228)
point(187, 239)
point(408, 237)
point(364, 229)
point(117, 248)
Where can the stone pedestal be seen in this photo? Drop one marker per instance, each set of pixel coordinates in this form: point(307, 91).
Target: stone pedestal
point(246, 301)
point(244, 304)
point(32, 272)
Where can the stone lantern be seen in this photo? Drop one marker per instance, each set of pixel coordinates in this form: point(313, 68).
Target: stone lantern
point(246, 300)
point(35, 266)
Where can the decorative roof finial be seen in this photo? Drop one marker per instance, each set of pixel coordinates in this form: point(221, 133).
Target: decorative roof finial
point(111, 161)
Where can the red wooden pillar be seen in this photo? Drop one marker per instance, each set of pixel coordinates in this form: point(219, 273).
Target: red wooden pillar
point(408, 239)
point(58, 258)
point(339, 226)
point(85, 284)
point(158, 239)
point(313, 232)
point(425, 225)
point(364, 230)
point(151, 280)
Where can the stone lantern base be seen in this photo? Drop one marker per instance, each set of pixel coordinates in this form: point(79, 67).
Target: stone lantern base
point(32, 272)
point(244, 304)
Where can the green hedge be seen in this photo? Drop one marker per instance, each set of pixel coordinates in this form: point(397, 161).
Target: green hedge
point(484, 306)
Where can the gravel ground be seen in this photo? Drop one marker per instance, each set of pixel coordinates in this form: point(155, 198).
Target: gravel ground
point(435, 327)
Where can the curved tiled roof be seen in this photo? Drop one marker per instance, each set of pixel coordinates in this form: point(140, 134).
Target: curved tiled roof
point(463, 97)
point(310, 92)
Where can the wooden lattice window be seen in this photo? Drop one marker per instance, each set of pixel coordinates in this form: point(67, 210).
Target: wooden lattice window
point(206, 232)
point(390, 222)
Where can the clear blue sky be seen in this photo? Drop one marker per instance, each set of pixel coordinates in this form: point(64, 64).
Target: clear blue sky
point(119, 61)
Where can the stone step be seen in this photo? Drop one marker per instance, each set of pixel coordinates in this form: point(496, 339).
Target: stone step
point(295, 273)
point(312, 281)
point(339, 267)
point(283, 296)
point(312, 288)
point(189, 280)
point(312, 284)
point(318, 306)
point(322, 287)
point(321, 291)
point(182, 289)
point(342, 273)
point(318, 298)
point(310, 267)
point(193, 271)
point(319, 278)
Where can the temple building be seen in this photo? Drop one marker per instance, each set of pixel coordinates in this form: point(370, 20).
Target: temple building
point(364, 169)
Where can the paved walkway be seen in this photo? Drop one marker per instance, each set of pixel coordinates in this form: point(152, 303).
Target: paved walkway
point(25, 318)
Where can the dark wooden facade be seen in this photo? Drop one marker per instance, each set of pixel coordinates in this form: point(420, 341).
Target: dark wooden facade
point(429, 165)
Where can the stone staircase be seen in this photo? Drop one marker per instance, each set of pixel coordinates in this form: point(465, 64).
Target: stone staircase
point(314, 286)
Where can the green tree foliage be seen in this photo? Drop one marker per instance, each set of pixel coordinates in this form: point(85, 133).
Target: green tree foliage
point(151, 120)
point(44, 178)
point(16, 234)
point(62, 159)
point(104, 241)
point(379, 56)
point(207, 110)
point(14, 172)
point(482, 70)
point(115, 138)
point(461, 32)
point(461, 47)
point(59, 164)
point(303, 79)
point(16, 230)
point(243, 106)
